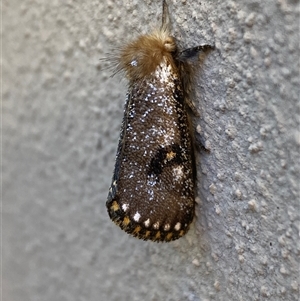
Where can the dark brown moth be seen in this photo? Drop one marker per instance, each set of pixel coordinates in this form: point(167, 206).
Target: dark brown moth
point(152, 195)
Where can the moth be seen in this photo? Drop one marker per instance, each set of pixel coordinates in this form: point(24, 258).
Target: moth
point(152, 195)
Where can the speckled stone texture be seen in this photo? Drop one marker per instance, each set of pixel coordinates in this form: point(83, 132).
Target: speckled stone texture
point(61, 114)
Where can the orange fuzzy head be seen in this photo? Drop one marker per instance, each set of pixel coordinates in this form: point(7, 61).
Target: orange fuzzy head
point(141, 57)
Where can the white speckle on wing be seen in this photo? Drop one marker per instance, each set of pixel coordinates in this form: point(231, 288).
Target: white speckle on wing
point(177, 226)
point(178, 172)
point(125, 207)
point(147, 223)
point(169, 136)
point(151, 181)
point(137, 216)
point(156, 225)
point(151, 194)
point(167, 227)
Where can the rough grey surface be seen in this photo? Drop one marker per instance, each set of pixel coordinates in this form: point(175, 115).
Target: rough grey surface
point(61, 116)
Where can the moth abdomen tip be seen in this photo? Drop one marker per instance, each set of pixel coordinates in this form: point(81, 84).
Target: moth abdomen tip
point(147, 228)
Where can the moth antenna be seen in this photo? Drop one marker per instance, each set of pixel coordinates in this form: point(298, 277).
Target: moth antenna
point(165, 20)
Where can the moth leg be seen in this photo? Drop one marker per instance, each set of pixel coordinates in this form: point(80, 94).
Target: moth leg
point(192, 107)
point(200, 143)
point(192, 52)
point(185, 57)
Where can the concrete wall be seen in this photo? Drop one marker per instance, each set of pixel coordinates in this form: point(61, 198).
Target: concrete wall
point(61, 113)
